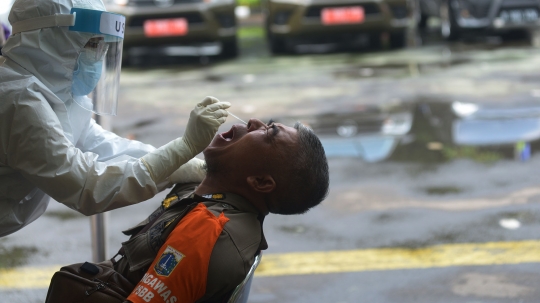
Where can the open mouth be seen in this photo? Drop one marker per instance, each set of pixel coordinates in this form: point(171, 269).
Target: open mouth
point(228, 136)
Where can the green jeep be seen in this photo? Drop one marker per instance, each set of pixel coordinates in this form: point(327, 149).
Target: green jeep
point(178, 27)
point(290, 23)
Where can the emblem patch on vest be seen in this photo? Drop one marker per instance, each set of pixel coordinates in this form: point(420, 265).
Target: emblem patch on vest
point(214, 196)
point(168, 261)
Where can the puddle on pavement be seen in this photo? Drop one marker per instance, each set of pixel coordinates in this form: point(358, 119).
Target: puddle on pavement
point(295, 229)
point(64, 215)
point(16, 255)
point(130, 128)
point(441, 237)
point(428, 132)
point(386, 218)
point(144, 123)
point(524, 217)
point(442, 190)
point(397, 70)
point(213, 78)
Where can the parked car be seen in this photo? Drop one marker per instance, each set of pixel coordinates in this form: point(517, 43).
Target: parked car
point(465, 16)
point(178, 27)
point(289, 23)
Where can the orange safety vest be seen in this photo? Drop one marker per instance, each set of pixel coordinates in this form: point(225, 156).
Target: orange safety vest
point(179, 272)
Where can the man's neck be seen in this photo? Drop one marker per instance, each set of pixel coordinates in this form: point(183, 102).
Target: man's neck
point(209, 186)
point(214, 185)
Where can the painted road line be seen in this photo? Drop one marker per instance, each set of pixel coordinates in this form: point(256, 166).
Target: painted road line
point(305, 263)
point(27, 277)
point(469, 254)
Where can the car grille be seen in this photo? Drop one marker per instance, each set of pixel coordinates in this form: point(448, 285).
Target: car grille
point(281, 18)
point(399, 11)
point(519, 3)
point(315, 11)
point(192, 18)
point(479, 9)
point(226, 20)
point(157, 3)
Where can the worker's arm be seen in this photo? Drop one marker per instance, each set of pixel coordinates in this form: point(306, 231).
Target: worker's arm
point(36, 147)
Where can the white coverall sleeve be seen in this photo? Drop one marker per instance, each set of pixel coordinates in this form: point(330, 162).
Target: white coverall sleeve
point(111, 147)
point(39, 151)
point(108, 145)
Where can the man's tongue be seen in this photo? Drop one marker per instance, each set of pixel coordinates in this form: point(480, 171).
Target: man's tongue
point(228, 136)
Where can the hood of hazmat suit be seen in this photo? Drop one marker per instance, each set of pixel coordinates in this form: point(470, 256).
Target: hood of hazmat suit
point(49, 143)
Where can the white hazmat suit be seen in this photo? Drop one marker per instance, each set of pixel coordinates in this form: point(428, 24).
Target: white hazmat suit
point(51, 146)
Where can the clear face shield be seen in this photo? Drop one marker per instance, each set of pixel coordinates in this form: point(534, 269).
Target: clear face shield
point(97, 72)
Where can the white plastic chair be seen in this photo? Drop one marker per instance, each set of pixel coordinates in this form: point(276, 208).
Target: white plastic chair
point(241, 293)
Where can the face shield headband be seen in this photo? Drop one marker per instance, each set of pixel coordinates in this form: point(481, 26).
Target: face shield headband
point(97, 73)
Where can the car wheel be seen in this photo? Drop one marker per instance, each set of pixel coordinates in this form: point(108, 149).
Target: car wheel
point(422, 21)
point(375, 41)
point(229, 48)
point(533, 37)
point(277, 45)
point(449, 29)
point(398, 40)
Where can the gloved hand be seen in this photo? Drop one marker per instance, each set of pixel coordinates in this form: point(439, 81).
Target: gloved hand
point(192, 171)
point(203, 124)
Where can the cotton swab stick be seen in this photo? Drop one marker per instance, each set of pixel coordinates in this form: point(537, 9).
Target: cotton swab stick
point(237, 117)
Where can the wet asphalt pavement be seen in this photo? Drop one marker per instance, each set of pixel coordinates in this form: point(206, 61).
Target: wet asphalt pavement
point(435, 144)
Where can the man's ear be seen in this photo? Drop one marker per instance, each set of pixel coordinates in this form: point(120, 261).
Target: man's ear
point(262, 184)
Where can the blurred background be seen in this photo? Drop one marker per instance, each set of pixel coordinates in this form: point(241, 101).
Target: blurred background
point(429, 112)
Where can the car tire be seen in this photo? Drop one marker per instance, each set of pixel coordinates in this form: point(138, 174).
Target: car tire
point(277, 45)
point(423, 21)
point(375, 41)
point(398, 40)
point(449, 27)
point(533, 37)
point(229, 48)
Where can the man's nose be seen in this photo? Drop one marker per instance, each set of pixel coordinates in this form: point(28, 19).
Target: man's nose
point(254, 124)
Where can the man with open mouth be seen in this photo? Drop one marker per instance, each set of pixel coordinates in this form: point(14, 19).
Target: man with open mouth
point(252, 170)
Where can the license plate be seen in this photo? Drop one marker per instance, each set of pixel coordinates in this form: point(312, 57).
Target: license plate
point(165, 27)
point(519, 16)
point(342, 15)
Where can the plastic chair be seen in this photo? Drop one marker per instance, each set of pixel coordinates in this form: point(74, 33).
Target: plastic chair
point(241, 293)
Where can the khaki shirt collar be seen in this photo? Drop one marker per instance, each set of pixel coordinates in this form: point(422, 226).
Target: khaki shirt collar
point(235, 200)
point(239, 203)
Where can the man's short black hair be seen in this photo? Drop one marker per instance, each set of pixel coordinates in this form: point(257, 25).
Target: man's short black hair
point(306, 175)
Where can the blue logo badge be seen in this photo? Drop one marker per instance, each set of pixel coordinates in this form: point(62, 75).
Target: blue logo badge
point(168, 261)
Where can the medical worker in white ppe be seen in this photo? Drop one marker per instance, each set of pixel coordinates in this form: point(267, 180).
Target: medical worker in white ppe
point(62, 63)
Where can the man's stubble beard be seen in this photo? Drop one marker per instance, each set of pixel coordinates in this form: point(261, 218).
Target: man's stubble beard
point(213, 167)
